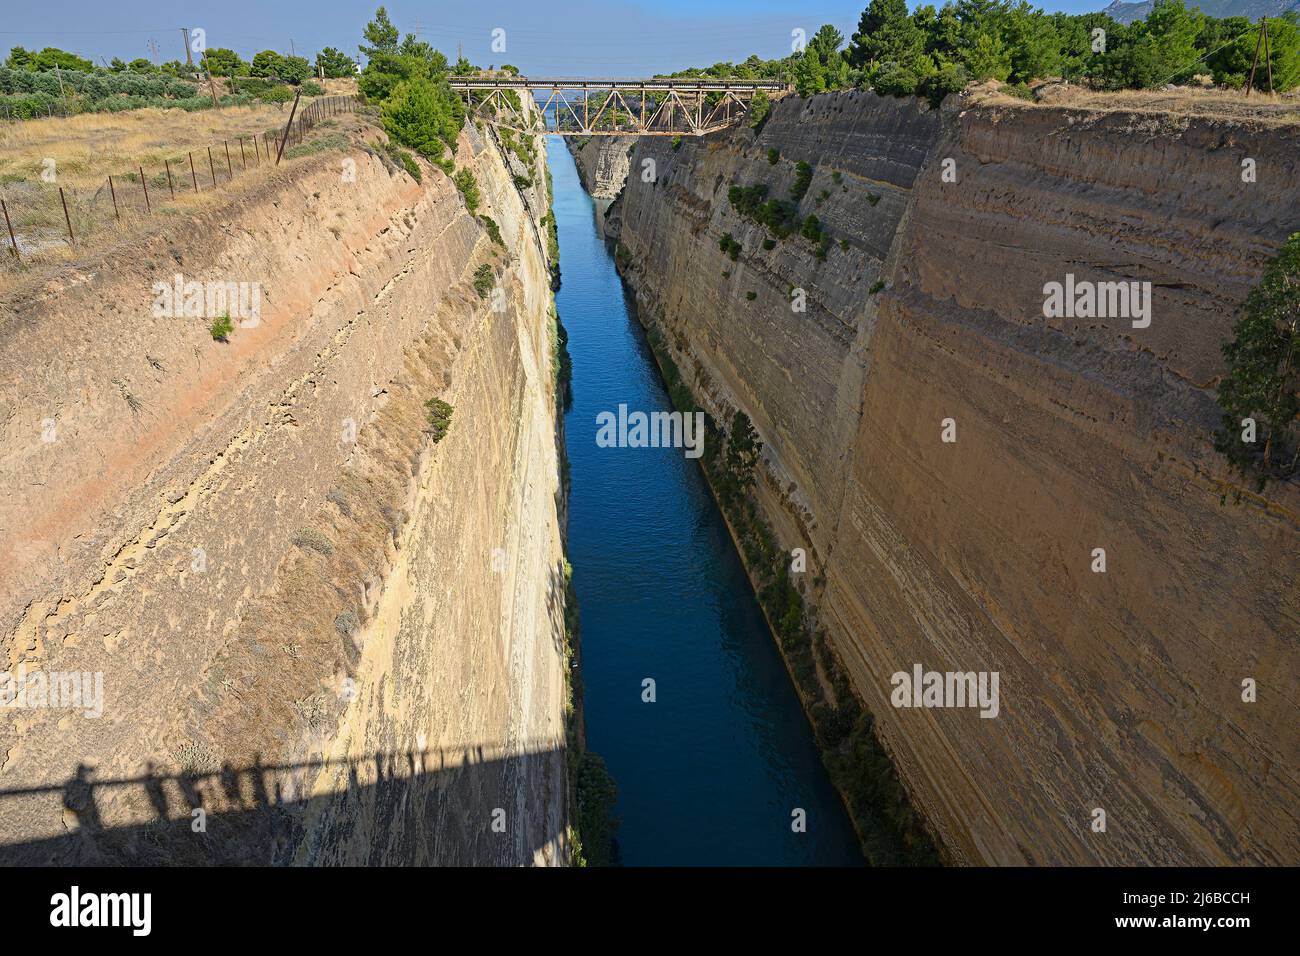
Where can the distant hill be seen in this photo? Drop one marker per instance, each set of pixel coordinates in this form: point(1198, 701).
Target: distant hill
point(1254, 9)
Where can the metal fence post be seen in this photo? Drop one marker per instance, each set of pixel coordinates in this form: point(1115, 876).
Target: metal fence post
point(288, 127)
point(167, 164)
point(72, 240)
point(212, 168)
point(230, 173)
point(113, 192)
point(193, 175)
point(145, 187)
point(12, 240)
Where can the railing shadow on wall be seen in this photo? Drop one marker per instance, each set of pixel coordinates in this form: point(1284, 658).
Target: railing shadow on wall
point(436, 806)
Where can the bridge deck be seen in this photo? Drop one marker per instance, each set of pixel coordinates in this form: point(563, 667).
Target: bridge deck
point(681, 85)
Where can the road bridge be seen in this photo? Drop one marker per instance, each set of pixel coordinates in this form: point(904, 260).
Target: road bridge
point(611, 106)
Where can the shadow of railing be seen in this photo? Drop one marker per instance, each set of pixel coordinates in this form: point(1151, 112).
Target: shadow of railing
point(453, 807)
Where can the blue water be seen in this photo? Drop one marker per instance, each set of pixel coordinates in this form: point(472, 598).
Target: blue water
point(711, 772)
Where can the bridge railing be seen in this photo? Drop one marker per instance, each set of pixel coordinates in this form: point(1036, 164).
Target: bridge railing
point(685, 84)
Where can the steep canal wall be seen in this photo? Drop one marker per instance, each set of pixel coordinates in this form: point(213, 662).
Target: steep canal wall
point(947, 461)
point(325, 633)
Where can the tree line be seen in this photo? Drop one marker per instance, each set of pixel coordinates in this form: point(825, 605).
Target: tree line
point(219, 61)
point(938, 50)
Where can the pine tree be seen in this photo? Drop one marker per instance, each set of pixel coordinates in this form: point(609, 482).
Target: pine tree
point(381, 34)
point(1262, 384)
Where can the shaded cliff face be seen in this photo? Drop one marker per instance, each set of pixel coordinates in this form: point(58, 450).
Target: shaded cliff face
point(1119, 690)
point(342, 640)
point(602, 163)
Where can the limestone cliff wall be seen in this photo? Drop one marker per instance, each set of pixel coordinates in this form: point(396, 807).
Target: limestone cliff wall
point(1122, 690)
point(340, 639)
point(602, 163)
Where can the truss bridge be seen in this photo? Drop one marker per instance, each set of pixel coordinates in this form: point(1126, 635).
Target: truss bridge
point(586, 106)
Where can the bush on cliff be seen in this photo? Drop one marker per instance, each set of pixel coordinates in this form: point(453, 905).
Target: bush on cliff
point(468, 186)
point(439, 418)
point(1260, 394)
point(418, 116)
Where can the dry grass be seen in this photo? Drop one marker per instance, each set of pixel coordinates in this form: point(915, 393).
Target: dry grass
point(89, 147)
point(1181, 102)
point(137, 138)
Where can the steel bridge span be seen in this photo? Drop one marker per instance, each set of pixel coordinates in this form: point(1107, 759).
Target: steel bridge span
point(589, 106)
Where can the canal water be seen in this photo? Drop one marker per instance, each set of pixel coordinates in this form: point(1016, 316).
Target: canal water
point(713, 770)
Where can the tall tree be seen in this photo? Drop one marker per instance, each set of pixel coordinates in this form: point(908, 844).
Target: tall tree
point(380, 34)
point(1260, 394)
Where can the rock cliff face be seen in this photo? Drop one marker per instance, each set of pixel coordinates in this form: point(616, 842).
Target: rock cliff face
point(1120, 691)
point(331, 637)
point(602, 163)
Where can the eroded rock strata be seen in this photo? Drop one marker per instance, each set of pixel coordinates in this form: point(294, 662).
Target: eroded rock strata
point(1120, 691)
point(602, 163)
point(340, 640)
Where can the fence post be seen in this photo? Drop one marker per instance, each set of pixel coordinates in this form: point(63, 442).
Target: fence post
point(145, 187)
point(193, 175)
point(72, 240)
point(167, 164)
point(243, 163)
point(230, 173)
point(12, 240)
point(288, 127)
point(113, 192)
point(212, 168)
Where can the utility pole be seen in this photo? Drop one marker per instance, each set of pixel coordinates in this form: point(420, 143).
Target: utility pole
point(212, 87)
point(291, 49)
point(1263, 42)
point(189, 60)
point(153, 49)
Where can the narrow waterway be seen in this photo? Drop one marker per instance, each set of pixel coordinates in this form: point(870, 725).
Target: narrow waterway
point(713, 770)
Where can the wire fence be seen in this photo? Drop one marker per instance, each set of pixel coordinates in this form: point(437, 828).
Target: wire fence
point(40, 214)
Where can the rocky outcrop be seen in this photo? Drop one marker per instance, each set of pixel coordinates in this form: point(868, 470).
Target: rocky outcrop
point(1121, 690)
point(334, 637)
point(602, 163)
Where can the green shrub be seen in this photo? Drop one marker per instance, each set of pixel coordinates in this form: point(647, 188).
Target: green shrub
point(468, 186)
point(419, 114)
point(439, 418)
point(405, 160)
point(802, 180)
point(773, 156)
point(484, 280)
point(730, 246)
point(876, 286)
point(221, 328)
point(1262, 384)
point(493, 230)
point(751, 295)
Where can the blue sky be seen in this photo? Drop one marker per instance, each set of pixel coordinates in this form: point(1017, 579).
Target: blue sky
point(577, 37)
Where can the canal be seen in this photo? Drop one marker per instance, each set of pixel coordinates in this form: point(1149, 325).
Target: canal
point(714, 769)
